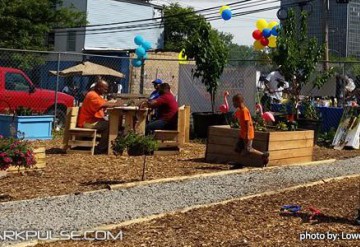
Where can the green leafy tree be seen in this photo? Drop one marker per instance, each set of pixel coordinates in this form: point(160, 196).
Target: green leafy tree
point(25, 24)
point(298, 55)
point(179, 25)
point(210, 53)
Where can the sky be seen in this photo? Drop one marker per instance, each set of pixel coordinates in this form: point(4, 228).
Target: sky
point(241, 26)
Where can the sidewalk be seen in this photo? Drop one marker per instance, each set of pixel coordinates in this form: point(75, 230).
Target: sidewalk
point(86, 211)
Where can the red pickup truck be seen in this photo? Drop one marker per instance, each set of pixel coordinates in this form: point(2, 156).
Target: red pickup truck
point(16, 89)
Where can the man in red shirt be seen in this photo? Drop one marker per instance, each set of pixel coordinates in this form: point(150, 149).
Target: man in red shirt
point(167, 109)
point(92, 113)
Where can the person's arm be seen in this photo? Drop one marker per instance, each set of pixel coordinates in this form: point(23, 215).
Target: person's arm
point(247, 130)
point(112, 104)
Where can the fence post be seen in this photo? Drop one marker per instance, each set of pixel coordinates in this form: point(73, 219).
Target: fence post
point(142, 76)
point(57, 88)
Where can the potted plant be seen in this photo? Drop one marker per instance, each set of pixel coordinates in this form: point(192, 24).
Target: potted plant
point(23, 120)
point(16, 153)
point(210, 53)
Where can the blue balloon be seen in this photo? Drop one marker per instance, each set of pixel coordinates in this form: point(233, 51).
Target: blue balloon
point(274, 31)
point(136, 63)
point(146, 45)
point(140, 52)
point(266, 32)
point(226, 14)
point(146, 56)
point(138, 40)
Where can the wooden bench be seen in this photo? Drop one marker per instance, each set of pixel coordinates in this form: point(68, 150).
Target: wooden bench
point(170, 141)
point(75, 137)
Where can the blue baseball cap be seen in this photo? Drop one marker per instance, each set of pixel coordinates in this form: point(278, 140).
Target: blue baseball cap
point(157, 81)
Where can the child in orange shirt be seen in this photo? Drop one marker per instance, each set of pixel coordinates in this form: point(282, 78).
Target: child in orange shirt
point(246, 137)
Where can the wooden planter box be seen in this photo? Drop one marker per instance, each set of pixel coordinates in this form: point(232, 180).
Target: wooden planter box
point(40, 157)
point(285, 147)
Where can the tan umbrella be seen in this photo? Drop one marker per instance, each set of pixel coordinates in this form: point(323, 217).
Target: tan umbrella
point(88, 69)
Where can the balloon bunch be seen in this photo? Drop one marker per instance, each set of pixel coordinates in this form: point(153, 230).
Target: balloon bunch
point(265, 34)
point(225, 12)
point(144, 46)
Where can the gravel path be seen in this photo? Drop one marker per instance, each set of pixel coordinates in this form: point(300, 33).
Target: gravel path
point(75, 212)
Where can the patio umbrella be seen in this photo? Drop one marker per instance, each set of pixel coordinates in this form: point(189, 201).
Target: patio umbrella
point(88, 69)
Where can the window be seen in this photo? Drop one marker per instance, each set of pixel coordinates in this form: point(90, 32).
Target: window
point(71, 41)
point(16, 82)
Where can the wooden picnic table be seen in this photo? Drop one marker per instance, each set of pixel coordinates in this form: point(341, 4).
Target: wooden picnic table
point(135, 120)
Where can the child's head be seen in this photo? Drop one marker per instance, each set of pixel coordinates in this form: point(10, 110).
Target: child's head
point(238, 100)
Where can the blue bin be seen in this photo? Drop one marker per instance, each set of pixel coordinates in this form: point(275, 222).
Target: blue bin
point(32, 127)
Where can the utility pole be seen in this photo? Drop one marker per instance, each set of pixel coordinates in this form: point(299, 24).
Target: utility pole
point(326, 10)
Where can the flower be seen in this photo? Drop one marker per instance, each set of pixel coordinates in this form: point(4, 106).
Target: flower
point(15, 152)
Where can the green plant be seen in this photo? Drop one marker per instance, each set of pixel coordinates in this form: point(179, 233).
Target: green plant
point(16, 153)
point(282, 126)
point(210, 53)
point(23, 111)
point(119, 145)
point(309, 110)
point(327, 138)
point(298, 55)
point(259, 123)
point(135, 144)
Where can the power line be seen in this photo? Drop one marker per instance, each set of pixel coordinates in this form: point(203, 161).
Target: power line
point(208, 17)
point(242, 3)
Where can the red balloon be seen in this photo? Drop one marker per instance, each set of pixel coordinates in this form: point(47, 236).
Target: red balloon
point(264, 41)
point(257, 34)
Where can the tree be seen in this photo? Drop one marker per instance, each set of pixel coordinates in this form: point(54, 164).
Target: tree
point(210, 53)
point(179, 25)
point(25, 24)
point(298, 55)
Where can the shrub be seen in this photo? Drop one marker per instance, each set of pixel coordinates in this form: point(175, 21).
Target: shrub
point(16, 153)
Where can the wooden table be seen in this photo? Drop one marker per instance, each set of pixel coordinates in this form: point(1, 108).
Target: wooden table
point(135, 119)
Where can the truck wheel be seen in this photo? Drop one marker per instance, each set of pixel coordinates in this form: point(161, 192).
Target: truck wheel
point(59, 122)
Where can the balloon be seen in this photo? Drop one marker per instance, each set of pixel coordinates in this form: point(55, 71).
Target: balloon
point(261, 24)
point(146, 45)
point(140, 52)
point(272, 24)
point(182, 57)
point(223, 8)
point(138, 39)
point(266, 32)
point(258, 45)
point(136, 63)
point(272, 42)
point(264, 41)
point(274, 31)
point(226, 14)
point(146, 56)
point(257, 34)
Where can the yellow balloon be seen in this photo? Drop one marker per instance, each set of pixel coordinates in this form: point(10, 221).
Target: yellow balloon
point(258, 45)
point(272, 41)
point(261, 24)
point(223, 8)
point(182, 57)
point(272, 24)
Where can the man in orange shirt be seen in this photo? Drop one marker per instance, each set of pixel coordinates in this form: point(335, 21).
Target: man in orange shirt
point(246, 137)
point(92, 113)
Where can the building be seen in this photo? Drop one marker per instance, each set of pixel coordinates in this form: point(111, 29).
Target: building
point(344, 24)
point(104, 34)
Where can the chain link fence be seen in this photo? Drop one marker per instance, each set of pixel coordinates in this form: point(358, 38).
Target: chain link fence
point(26, 80)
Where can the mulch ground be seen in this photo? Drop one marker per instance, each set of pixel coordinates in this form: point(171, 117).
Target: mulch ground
point(74, 173)
point(251, 222)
